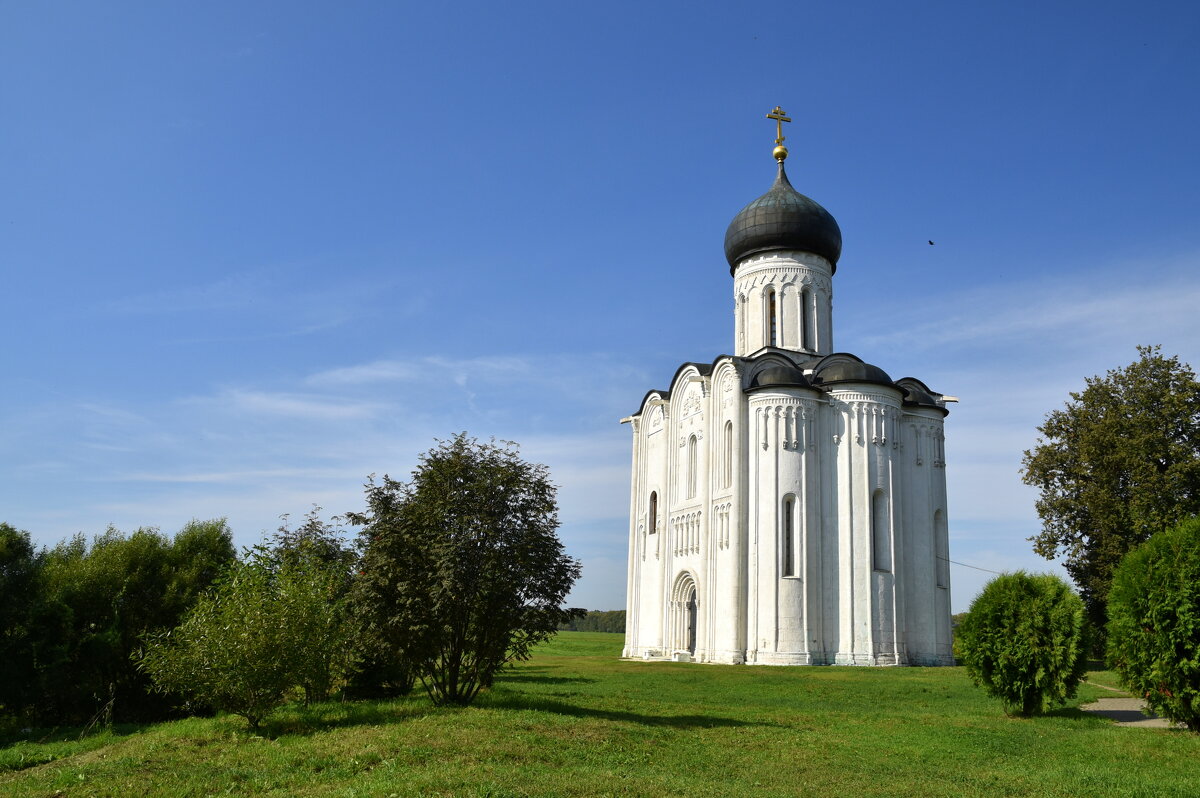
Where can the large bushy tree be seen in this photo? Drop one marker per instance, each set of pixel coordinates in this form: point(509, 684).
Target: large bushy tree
point(1118, 463)
point(1025, 641)
point(1154, 623)
point(462, 569)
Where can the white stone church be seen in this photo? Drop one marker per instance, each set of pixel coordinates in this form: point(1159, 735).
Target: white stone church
point(788, 501)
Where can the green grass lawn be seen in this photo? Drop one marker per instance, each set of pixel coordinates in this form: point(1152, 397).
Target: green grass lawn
point(577, 721)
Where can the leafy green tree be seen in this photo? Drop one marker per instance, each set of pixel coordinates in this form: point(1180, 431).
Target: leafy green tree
point(70, 616)
point(106, 596)
point(20, 589)
point(1154, 623)
point(229, 650)
point(315, 565)
point(318, 639)
point(200, 552)
point(265, 628)
point(1025, 641)
point(315, 540)
point(1120, 462)
point(462, 569)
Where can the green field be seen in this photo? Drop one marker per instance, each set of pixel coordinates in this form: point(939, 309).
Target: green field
point(577, 721)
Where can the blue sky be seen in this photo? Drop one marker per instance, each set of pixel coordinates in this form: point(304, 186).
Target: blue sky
point(253, 252)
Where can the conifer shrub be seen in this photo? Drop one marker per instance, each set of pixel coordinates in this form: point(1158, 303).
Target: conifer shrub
point(1154, 623)
point(1025, 641)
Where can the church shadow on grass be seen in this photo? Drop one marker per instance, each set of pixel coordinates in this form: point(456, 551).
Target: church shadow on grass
point(539, 704)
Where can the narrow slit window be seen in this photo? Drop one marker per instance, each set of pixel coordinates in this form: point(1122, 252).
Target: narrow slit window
point(652, 524)
point(788, 536)
point(806, 337)
point(727, 470)
point(692, 475)
point(771, 319)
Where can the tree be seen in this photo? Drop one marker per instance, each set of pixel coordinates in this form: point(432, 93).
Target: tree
point(1154, 623)
point(103, 598)
point(596, 621)
point(462, 569)
point(227, 652)
point(1025, 641)
point(1118, 463)
point(261, 631)
point(20, 577)
point(317, 639)
point(315, 564)
point(314, 539)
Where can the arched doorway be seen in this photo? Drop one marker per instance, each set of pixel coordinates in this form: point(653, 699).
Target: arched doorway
point(685, 613)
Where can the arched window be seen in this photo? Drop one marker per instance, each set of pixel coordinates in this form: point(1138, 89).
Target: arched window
point(772, 321)
point(806, 319)
point(881, 544)
point(691, 467)
point(652, 524)
point(787, 537)
point(727, 466)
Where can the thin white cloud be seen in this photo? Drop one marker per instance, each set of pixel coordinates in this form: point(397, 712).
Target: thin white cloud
point(230, 293)
point(294, 405)
point(1112, 306)
point(241, 477)
point(458, 371)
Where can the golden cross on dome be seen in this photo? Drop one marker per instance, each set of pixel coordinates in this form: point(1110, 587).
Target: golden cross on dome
point(780, 116)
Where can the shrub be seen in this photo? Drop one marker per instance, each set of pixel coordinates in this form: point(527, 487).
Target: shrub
point(262, 631)
point(1154, 623)
point(1025, 641)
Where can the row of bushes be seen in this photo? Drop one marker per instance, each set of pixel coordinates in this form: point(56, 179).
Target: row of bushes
point(1026, 638)
point(455, 574)
point(71, 616)
point(596, 621)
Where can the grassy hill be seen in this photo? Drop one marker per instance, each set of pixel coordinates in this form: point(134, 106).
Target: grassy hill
point(577, 721)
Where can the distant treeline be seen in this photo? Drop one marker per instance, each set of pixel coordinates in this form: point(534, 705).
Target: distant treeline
point(597, 621)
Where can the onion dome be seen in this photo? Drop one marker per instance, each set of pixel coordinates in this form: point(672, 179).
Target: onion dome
point(783, 218)
point(779, 376)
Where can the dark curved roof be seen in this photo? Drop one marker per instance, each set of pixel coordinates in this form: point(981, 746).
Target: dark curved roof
point(842, 367)
point(783, 218)
point(779, 376)
point(787, 369)
point(918, 394)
